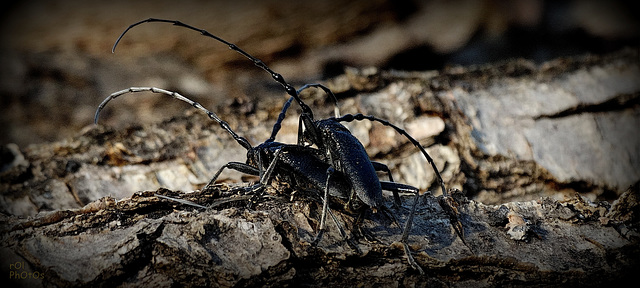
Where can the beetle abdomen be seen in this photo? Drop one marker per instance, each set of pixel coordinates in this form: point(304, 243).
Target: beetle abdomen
point(350, 157)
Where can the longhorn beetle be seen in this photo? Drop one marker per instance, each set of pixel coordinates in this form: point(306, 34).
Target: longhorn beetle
point(340, 161)
point(284, 160)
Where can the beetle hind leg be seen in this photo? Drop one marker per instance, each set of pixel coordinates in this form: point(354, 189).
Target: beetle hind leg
point(325, 207)
point(397, 187)
point(405, 236)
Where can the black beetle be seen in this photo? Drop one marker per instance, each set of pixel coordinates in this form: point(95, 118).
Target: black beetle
point(301, 165)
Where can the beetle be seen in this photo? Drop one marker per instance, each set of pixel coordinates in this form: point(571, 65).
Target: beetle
point(300, 164)
point(314, 135)
point(339, 162)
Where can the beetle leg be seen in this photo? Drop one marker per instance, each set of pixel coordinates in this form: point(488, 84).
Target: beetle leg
point(325, 207)
point(396, 187)
point(344, 234)
point(405, 236)
point(238, 166)
point(312, 195)
point(449, 205)
point(364, 233)
point(266, 175)
point(384, 168)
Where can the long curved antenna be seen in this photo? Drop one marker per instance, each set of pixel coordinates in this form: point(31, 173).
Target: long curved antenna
point(360, 117)
point(241, 140)
point(336, 108)
point(278, 125)
point(277, 77)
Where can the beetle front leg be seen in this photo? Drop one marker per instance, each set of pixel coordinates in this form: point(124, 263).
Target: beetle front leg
point(238, 166)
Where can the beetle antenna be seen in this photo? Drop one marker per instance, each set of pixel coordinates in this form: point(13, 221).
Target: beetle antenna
point(276, 76)
point(336, 108)
point(278, 125)
point(285, 107)
point(241, 140)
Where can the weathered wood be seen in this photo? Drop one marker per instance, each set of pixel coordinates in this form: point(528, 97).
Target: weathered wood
point(504, 134)
point(144, 240)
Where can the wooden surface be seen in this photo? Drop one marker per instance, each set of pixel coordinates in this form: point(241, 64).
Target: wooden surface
point(142, 241)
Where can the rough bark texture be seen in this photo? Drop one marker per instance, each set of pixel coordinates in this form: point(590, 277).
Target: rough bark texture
point(535, 148)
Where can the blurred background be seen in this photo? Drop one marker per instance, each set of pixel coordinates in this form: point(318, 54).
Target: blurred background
point(57, 64)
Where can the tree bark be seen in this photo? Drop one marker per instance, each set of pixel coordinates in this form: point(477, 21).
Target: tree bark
point(535, 149)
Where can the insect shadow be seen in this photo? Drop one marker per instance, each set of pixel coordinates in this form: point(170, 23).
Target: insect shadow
point(327, 157)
